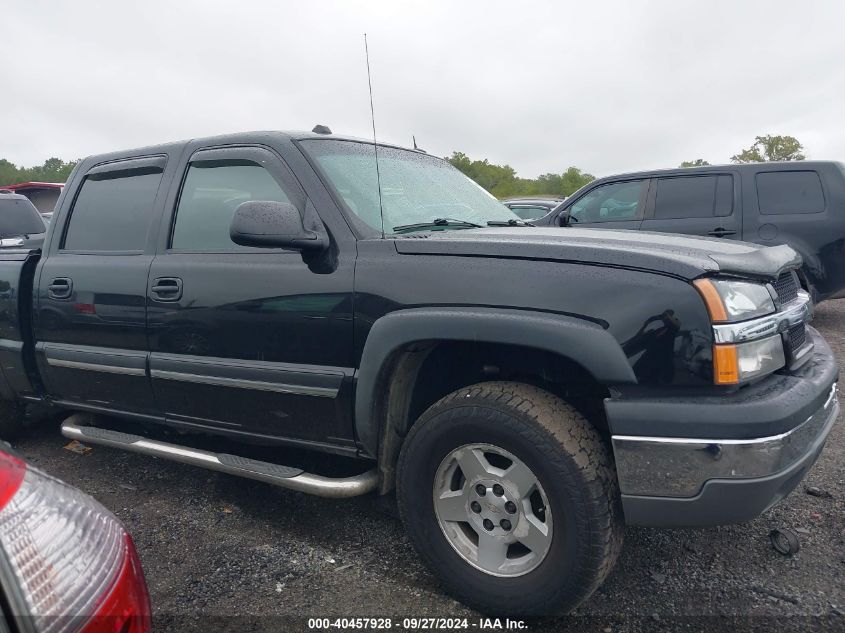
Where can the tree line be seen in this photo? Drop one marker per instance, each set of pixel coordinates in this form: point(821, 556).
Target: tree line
point(764, 149)
point(53, 170)
point(500, 180)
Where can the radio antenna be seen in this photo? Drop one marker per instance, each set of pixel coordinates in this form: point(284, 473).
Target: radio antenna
point(375, 142)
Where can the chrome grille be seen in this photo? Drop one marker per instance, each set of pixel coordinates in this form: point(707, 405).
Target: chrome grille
point(786, 287)
point(797, 336)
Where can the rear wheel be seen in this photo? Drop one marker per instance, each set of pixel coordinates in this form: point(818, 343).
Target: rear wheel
point(511, 498)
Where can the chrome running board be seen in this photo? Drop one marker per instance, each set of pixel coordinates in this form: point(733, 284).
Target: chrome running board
point(283, 476)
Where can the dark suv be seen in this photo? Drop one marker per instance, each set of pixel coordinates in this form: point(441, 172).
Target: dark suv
point(801, 204)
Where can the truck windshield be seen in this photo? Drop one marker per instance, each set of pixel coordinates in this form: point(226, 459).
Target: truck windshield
point(19, 217)
point(417, 189)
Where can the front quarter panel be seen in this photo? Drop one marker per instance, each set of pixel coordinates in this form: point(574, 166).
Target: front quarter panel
point(659, 321)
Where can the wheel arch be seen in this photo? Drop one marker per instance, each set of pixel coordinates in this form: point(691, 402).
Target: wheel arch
point(812, 269)
point(400, 343)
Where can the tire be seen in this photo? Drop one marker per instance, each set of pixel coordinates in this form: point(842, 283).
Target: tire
point(11, 420)
point(578, 518)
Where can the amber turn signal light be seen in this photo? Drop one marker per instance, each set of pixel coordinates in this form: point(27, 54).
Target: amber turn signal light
point(712, 300)
point(725, 365)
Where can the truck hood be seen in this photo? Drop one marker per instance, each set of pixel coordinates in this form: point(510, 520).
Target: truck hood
point(684, 256)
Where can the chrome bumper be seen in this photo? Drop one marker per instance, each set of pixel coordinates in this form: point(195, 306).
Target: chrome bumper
point(679, 467)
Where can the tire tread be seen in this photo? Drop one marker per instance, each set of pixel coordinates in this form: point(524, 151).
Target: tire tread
point(561, 431)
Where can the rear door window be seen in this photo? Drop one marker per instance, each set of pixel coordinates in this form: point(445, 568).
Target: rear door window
point(724, 195)
point(686, 197)
point(788, 192)
point(113, 211)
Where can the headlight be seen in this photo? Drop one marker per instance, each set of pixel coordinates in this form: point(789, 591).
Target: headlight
point(733, 364)
point(739, 310)
point(729, 300)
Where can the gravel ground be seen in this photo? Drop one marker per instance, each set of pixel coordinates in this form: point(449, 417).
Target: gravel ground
point(225, 553)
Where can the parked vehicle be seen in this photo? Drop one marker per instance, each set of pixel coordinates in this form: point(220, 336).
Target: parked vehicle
point(801, 204)
point(66, 563)
point(42, 194)
point(20, 222)
point(527, 391)
point(531, 208)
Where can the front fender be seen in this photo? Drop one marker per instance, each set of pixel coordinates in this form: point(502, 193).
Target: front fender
point(810, 263)
point(579, 340)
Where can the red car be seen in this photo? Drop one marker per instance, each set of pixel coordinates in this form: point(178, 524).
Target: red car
point(66, 563)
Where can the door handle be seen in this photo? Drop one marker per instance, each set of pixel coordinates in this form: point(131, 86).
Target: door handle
point(167, 289)
point(721, 232)
point(60, 288)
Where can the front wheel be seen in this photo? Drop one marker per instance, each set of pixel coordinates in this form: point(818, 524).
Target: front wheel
point(510, 496)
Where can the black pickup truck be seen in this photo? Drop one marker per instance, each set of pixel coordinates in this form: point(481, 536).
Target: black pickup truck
point(526, 390)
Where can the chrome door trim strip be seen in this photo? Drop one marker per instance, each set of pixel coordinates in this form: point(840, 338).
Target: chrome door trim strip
point(106, 369)
point(241, 383)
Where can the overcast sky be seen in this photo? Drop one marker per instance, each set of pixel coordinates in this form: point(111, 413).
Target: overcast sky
point(605, 86)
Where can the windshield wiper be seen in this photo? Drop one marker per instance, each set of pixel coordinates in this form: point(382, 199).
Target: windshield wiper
point(437, 222)
point(510, 222)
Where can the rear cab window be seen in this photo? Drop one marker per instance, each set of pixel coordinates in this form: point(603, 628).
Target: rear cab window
point(113, 209)
point(789, 192)
point(529, 212)
point(18, 216)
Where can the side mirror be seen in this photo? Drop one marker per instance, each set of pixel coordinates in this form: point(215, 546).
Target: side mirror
point(274, 225)
point(563, 218)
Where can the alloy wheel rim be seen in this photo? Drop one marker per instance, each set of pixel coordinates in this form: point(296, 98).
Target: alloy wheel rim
point(492, 510)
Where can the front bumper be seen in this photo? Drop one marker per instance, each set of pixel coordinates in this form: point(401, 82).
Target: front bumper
point(713, 478)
